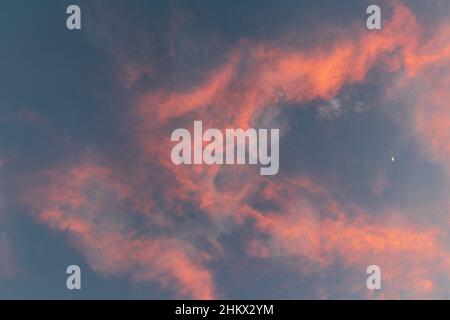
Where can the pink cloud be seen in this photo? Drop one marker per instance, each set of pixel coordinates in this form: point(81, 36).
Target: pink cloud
point(307, 223)
point(88, 203)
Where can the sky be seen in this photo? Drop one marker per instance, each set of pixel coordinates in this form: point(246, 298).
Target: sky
point(86, 176)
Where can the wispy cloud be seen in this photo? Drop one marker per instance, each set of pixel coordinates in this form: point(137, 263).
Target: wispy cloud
point(154, 221)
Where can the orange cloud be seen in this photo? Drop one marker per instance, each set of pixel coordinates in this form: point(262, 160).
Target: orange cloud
point(328, 234)
point(87, 202)
point(302, 219)
point(257, 76)
point(426, 81)
point(260, 76)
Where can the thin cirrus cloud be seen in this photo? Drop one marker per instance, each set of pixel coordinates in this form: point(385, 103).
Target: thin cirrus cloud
point(151, 221)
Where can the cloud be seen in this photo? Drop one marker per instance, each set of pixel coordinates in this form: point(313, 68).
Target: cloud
point(260, 75)
point(88, 202)
point(329, 234)
point(154, 221)
point(423, 84)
